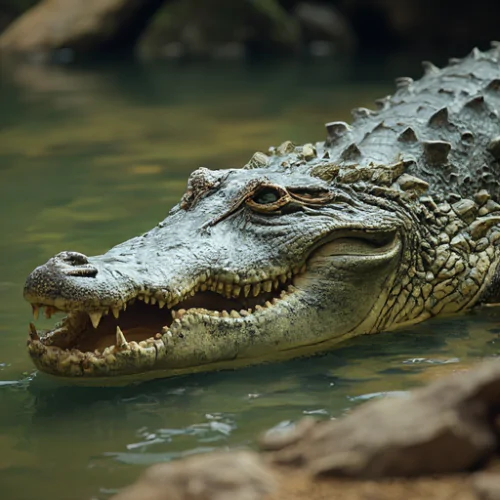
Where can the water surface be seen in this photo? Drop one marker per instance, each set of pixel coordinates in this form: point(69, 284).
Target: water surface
point(91, 157)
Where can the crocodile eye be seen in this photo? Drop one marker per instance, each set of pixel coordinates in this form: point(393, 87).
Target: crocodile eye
point(268, 199)
point(266, 196)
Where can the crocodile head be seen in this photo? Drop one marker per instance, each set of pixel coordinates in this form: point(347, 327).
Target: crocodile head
point(251, 265)
point(390, 221)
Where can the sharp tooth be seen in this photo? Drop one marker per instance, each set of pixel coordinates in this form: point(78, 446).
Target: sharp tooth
point(174, 314)
point(157, 336)
point(246, 290)
point(276, 284)
point(267, 285)
point(146, 299)
point(120, 338)
point(142, 343)
point(234, 314)
point(216, 314)
point(236, 290)
point(268, 304)
point(228, 289)
point(256, 289)
point(243, 312)
point(283, 278)
point(33, 332)
point(283, 294)
point(124, 306)
point(107, 351)
point(115, 311)
point(275, 300)
point(225, 314)
point(303, 269)
point(220, 287)
point(180, 313)
point(153, 300)
point(95, 317)
point(204, 287)
point(161, 304)
point(259, 308)
point(36, 310)
point(173, 302)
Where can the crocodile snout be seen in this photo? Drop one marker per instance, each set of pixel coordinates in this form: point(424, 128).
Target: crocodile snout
point(61, 273)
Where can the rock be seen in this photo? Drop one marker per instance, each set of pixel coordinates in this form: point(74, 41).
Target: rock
point(444, 428)
point(219, 476)
point(486, 485)
point(449, 426)
point(77, 26)
point(219, 29)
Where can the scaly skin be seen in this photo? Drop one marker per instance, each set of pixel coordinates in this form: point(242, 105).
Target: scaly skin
point(391, 221)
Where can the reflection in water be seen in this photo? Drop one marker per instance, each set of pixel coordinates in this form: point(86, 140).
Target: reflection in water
point(90, 157)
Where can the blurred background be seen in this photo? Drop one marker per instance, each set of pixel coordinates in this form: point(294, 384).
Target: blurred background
point(67, 30)
point(106, 106)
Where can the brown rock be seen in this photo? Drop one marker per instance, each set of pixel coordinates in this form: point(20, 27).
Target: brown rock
point(446, 427)
point(449, 426)
point(219, 476)
point(486, 485)
point(80, 25)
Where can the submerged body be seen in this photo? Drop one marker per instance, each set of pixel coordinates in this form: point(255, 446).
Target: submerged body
point(392, 220)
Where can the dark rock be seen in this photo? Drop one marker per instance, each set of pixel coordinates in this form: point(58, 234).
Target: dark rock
point(219, 29)
point(444, 428)
point(219, 476)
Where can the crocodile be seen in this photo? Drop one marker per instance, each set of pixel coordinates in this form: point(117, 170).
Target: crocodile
point(392, 220)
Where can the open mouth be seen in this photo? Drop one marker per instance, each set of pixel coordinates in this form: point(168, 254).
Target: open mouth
point(129, 337)
point(144, 323)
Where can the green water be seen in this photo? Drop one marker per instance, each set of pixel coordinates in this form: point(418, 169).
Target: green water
point(91, 157)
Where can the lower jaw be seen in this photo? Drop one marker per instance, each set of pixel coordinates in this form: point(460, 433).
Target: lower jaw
point(273, 334)
point(76, 350)
point(142, 368)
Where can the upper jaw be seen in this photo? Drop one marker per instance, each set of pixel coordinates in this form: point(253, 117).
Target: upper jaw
point(101, 339)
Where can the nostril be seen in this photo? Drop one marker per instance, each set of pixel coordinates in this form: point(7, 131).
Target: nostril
point(73, 258)
point(74, 264)
point(86, 271)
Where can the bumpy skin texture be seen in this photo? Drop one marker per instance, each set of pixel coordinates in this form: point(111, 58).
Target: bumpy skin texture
point(390, 221)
